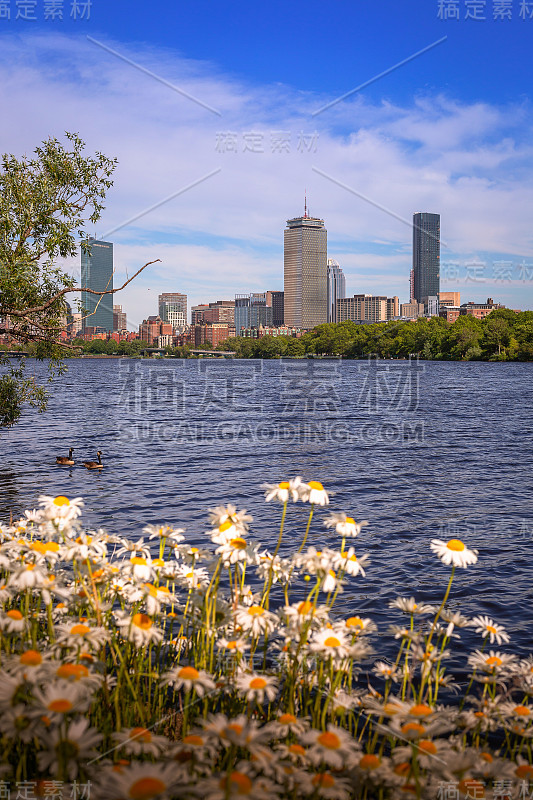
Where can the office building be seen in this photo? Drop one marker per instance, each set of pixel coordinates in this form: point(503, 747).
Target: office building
point(336, 288)
point(276, 301)
point(412, 310)
point(251, 311)
point(367, 307)
point(426, 256)
point(97, 274)
point(120, 322)
point(449, 299)
point(173, 308)
point(220, 311)
point(305, 272)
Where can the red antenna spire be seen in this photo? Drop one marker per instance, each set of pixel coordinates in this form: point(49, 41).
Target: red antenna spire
point(305, 205)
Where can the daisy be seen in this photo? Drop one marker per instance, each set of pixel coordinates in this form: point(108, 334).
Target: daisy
point(81, 635)
point(29, 665)
point(17, 722)
point(61, 698)
point(60, 510)
point(330, 643)
point(140, 781)
point(359, 625)
point(387, 671)
point(141, 741)
point(328, 786)
point(28, 576)
point(315, 494)
point(138, 628)
point(164, 532)
point(69, 749)
point(334, 747)
point(286, 723)
point(492, 662)
point(345, 526)
point(257, 687)
point(454, 552)
point(279, 491)
point(13, 621)
point(488, 627)
point(410, 606)
point(233, 646)
point(189, 678)
point(140, 568)
point(454, 619)
point(255, 619)
point(236, 549)
point(237, 783)
point(133, 548)
point(349, 563)
point(221, 514)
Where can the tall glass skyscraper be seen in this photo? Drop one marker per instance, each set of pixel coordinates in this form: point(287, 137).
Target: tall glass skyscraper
point(251, 311)
point(97, 274)
point(306, 272)
point(173, 308)
point(426, 256)
point(336, 288)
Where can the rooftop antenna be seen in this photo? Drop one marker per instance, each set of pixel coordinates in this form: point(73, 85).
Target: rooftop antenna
point(305, 204)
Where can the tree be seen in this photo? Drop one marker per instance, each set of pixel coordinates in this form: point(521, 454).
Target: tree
point(45, 203)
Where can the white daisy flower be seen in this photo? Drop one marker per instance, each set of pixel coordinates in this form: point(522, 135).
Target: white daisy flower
point(79, 634)
point(257, 687)
point(492, 662)
point(349, 563)
point(410, 606)
point(359, 625)
point(315, 494)
point(61, 698)
point(233, 646)
point(140, 742)
point(229, 513)
point(69, 749)
point(139, 781)
point(387, 671)
point(237, 783)
point(326, 786)
point(189, 678)
point(13, 621)
point(334, 747)
point(164, 532)
point(236, 549)
point(454, 552)
point(60, 510)
point(330, 642)
point(344, 525)
point(255, 619)
point(138, 628)
point(28, 576)
point(286, 723)
point(488, 627)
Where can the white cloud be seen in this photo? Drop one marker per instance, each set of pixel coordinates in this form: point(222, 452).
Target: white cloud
point(225, 235)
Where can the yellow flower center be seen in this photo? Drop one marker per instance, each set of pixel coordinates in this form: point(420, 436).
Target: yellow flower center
point(304, 607)
point(39, 547)
point(524, 771)
point(238, 543)
point(472, 788)
point(297, 749)
point(283, 485)
point(14, 614)
point(427, 747)
point(235, 727)
point(420, 710)
point(350, 520)
point(455, 544)
point(138, 561)
point(141, 734)
point(487, 757)
point(146, 788)
point(287, 719)
point(141, 621)
point(52, 547)
point(188, 674)
point(193, 739)
point(236, 780)
point(316, 485)
point(402, 769)
point(258, 683)
point(494, 661)
point(523, 711)
point(491, 629)
point(79, 630)
point(329, 740)
point(31, 658)
point(332, 641)
point(390, 708)
point(325, 780)
point(413, 727)
point(256, 611)
point(225, 526)
point(75, 671)
point(369, 761)
point(61, 706)
point(61, 500)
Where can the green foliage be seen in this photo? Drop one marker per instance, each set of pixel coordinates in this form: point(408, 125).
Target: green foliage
point(45, 203)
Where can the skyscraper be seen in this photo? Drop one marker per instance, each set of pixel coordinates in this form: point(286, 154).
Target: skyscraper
point(97, 274)
point(426, 256)
point(251, 311)
point(120, 322)
point(173, 308)
point(306, 272)
point(336, 288)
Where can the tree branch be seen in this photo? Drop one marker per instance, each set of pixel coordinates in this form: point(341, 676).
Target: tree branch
point(51, 301)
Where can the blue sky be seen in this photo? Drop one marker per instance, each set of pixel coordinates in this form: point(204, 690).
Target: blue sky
point(448, 131)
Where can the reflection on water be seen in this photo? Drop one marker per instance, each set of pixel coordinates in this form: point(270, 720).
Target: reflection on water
point(436, 450)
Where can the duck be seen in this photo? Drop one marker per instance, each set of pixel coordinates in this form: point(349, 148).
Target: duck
point(94, 464)
point(66, 459)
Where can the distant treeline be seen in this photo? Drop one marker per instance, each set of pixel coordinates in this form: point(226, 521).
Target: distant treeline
point(502, 336)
